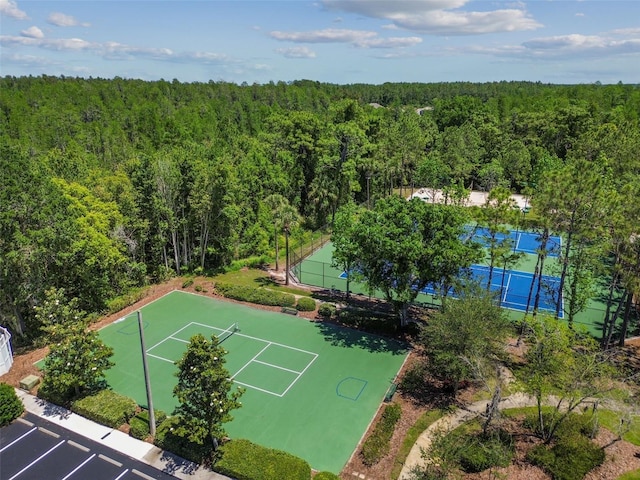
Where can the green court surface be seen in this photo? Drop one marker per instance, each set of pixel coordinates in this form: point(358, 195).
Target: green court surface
point(311, 388)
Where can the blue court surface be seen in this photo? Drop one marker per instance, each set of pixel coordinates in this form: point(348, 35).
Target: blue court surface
point(514, 287)
point(527, 242)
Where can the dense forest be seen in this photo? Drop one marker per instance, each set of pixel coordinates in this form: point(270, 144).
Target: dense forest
point(108, 184)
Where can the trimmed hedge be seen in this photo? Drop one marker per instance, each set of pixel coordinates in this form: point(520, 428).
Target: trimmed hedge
point(11, 406)
point(261, 296)
point(167, 439)
point(327, 310)
point(140, 423)
point(306, 304)
point(377, 445)
point(106, 407)
point(244, 460)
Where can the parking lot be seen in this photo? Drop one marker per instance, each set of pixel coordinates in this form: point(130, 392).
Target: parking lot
point(32, 448)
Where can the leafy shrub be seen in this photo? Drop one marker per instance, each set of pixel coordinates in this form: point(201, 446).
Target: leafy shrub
point(11, 406)
point(199, 288)
point(306, 304)
point(261, 296)
point(571, 458)
point(325, 476)
point(123, 301)
point(168, 439)
point(187, 283)
point(106, 407)
point(486, 451)
point(327, 310)
point(244, 460)
point(251, 262)
point(377, 445)
point(140, 423)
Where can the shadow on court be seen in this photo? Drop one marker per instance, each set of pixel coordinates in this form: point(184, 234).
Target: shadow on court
point(349, 338)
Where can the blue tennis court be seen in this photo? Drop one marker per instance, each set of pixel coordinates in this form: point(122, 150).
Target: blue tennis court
point(527, 242)
point(514, 287)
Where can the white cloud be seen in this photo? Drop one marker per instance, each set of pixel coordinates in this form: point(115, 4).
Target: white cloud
point(393, 42)
point(10, 8)
point(296, 52)
point(627, 31)
point(27, 60)
point(358, 38)
point(111, 50)
point(32, 32)
point(328, 35)
point(579, 14)
point(573, 46)
point(62, 20)
point(439, 17)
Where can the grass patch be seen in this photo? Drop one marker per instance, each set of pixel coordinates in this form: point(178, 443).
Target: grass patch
point(254, 277)
point(611, 421)
point(635, 475)
point(425, 420)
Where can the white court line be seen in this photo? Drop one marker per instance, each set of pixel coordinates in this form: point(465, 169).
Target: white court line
point(178, 339)
point(247, 364)
point(170, 336)
point(506, 288)
point(160, 358)
point(79, 467)
point(293, 383)
point(259, 389)
point(260, 339)
point(277, 366)
point(37, 459)
point(18, 439)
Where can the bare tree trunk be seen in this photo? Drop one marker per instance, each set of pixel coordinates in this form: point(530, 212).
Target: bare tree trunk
point(625, 321)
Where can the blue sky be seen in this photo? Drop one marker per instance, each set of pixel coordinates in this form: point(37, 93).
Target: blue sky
point(337, 41)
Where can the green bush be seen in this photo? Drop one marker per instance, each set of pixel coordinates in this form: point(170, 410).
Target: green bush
point(486, 451)
point(106, 407)
point(327, 310)
point(168, 439)
point(187, 283)
point(325, 476)
point(251, 262)
point(261, 296)
point(11, 406)
point(571, 458)
point(306, 304)
point(377, 445)
point(123, 301)
point(244, 460)
point(140, 423)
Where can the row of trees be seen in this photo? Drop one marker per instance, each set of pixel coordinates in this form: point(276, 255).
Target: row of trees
point(108, 184)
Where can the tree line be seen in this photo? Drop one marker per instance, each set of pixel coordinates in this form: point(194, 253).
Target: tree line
point(107, 184)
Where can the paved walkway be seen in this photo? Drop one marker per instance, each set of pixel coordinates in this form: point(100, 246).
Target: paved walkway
point(451, 421)
point(117, 440)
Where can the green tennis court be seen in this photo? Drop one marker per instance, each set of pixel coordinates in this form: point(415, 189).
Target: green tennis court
point(311, 388)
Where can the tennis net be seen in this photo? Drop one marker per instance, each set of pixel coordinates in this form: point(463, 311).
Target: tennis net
point(228, 332)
